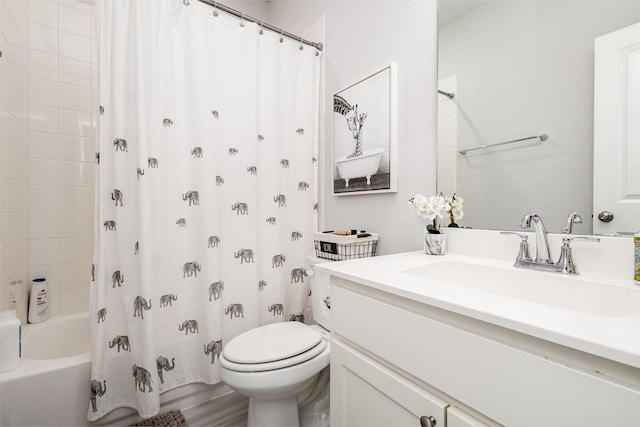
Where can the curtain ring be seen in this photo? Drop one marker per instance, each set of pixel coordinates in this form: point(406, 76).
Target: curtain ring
point(242, 20)
point(261, 30)
point(302, 45)
point(185, 2)
point(281, 34)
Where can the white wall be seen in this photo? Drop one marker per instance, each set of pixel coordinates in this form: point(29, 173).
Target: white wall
point(363, 37)
point(52, 201)
point(524, 68)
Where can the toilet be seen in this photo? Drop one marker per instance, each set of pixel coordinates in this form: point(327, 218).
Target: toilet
point(278, 364)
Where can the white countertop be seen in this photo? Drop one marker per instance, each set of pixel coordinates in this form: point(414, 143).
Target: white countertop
point(612, 337)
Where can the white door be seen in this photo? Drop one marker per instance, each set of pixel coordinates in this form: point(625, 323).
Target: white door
point(616, 170)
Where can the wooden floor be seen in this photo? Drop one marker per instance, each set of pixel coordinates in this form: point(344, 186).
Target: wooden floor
point(378, 182)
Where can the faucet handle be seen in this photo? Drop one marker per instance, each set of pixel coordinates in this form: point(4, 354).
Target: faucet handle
point(523, 254)
point(567, 240)
point(566, 260)
point(572, 218)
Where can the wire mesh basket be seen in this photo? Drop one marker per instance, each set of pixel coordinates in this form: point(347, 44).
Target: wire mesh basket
point(340, 248)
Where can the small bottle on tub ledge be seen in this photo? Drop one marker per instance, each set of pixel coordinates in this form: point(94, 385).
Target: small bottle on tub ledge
point(39, 301)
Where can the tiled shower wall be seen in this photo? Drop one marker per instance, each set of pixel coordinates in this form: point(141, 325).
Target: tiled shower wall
point(14, 144)
point(60, 144)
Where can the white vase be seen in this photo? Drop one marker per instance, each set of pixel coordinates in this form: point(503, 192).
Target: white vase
point(435, 244)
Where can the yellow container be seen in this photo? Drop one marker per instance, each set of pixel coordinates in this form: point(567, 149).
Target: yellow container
point(636, 241)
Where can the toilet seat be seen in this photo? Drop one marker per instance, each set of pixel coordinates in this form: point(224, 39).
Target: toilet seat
point(273, 346)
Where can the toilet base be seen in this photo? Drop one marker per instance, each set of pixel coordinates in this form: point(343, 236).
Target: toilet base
point(282, 414)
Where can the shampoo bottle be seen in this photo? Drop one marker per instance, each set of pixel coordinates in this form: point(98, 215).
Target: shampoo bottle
point(10, 337)
point(38, 301)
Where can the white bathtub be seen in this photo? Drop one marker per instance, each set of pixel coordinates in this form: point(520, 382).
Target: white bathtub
point(357, 167)
point(51, 385)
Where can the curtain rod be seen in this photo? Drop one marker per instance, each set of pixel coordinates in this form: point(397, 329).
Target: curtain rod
point(262, 24)
point(449, 95)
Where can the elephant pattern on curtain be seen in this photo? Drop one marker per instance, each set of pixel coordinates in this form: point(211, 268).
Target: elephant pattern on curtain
point(206, 194)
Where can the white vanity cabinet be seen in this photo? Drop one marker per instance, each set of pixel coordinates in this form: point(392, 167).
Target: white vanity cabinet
point(365, 393)
point(458, 418)
point(395, 360)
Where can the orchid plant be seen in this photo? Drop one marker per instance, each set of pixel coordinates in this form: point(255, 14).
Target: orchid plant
point(437, 208)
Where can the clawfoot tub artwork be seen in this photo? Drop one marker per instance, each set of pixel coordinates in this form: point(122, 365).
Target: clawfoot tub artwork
point(365, 161)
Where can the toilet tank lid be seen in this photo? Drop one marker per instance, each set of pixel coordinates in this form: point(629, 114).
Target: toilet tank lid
point(271, 342)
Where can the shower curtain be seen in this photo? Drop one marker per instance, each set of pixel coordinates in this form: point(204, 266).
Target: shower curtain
point(206, 193)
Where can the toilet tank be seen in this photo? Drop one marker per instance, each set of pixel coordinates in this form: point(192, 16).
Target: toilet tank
point(319, 292)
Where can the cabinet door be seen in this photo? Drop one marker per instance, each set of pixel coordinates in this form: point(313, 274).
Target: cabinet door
point(366, 393)
point(459, 418)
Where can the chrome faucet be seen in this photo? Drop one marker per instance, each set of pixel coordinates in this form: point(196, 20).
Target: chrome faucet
point(542, 261)
point(573, 218)
point(542, 244)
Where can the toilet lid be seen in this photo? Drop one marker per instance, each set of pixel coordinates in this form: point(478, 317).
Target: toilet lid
point(271, 342)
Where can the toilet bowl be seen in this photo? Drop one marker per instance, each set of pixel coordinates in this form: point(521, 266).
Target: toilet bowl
point(277, 363)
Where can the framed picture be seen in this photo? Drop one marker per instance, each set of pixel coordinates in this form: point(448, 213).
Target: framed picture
point(365, 135)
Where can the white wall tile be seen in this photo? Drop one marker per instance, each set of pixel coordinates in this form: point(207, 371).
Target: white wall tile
point(76, 249)
point(44, 198)
point(17, 139)
point(74, 46)
point(76, 174)
point(74, 300)
point(74, 97)
point(74, 72)
point(14, 228)
point(43, 172)
point(10, 60)
point(43, 119)
point(43, 38)
point(14, 197)
point(16, 9)
point(83, 5)
point(43, 65)
point(76, 199)
point(12, 32)
point(44, 251)
point(18, 81)
point(76, 224)
point(43, 145)
point(74, 20)
point(15, 261)
point(15, 104)
point(13, 164)
point(77, 148)
point(75, 123)
point(43, 92)
point(75, 275)
point(44, 13)
point(22, 54)
point(44, 225)
point(54, 302)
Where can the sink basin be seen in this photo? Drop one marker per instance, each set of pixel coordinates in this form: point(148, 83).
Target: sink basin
point(568, 292)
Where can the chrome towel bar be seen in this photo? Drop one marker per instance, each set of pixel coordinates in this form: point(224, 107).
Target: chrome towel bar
point(542, 137)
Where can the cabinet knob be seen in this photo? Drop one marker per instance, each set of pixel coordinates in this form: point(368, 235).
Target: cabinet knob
point(327, 302)
point(427, 421)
